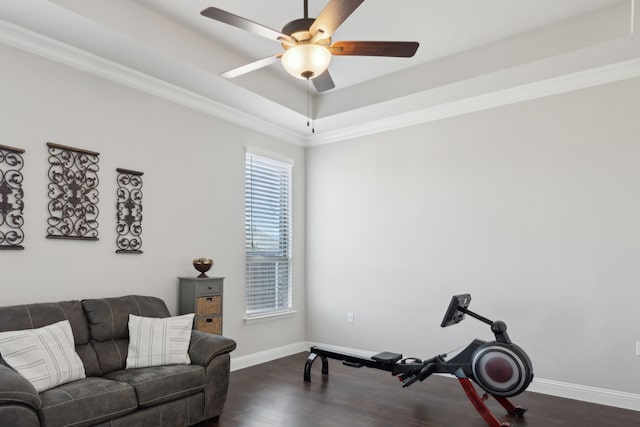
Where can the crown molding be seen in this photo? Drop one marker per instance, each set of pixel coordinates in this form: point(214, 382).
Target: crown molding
point(370, 120)
point(37, 44)
point(552, 86)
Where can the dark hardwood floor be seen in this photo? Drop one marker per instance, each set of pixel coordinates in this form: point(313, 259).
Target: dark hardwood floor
point(274, 394)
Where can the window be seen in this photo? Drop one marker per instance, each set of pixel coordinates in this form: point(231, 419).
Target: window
point(267, 235)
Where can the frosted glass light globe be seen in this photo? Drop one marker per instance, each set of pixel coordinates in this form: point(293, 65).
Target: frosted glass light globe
point(306, 61)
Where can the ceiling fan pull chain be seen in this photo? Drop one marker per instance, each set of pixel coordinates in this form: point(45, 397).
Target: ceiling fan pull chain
point(308, 96)
point(313, 120)
point(310, 108)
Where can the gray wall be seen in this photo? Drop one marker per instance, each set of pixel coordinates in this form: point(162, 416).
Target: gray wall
point(193, 189)
point(533, 208)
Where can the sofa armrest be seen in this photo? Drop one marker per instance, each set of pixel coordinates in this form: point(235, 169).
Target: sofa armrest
point(205, 347)
point(14, 388)
point(212, 352)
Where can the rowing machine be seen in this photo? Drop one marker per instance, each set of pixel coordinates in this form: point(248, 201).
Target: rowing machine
point(500, 368)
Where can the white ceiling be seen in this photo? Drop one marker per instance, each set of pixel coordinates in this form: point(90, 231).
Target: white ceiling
point(468, 48)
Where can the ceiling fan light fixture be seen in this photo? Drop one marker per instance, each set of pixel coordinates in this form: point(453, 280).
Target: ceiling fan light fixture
point(306, 61)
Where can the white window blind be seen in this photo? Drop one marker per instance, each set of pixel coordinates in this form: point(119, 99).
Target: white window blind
point(267, 235)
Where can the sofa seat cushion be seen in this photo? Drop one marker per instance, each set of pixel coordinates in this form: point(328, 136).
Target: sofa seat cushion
point(160, 384)
point(86, 402)
point(177, 413)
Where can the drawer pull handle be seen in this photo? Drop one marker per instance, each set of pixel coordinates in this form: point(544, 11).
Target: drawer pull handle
point(209, 299)
point(209, 320)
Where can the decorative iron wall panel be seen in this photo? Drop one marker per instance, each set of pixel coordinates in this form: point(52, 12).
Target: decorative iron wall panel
point(73, 193)
point(11, 194)
point(129, 212)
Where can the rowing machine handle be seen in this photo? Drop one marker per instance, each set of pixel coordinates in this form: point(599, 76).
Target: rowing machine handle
point(422, 375)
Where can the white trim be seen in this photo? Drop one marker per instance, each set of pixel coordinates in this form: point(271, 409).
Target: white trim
point(557, 85)
point(269, 154)
point(264, 356)
point(633, 18)
point(21, 38)
point(269, 317)
point(601, 396)
point(37, 44)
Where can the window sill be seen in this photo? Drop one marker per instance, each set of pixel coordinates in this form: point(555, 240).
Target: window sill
point(269, 317)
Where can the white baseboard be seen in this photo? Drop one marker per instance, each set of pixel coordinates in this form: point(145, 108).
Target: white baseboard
point(264, 356)
point(601, 396)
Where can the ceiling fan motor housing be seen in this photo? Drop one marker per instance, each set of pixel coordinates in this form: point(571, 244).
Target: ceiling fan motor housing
point(298, 26)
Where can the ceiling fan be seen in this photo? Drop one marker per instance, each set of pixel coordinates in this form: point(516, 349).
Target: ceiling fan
point(308, 45)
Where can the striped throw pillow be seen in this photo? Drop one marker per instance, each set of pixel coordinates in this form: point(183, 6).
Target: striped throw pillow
point(45, 356)
point(157, 342)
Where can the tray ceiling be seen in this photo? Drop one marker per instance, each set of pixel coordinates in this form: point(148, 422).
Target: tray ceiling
point(468, 49)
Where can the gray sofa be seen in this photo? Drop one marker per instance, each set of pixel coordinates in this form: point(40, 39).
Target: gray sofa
point(110, 395)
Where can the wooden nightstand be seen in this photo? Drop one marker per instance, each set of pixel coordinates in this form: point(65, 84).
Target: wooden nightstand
point(204, 298)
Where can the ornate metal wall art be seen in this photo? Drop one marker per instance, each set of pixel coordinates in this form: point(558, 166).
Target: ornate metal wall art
point(11, 193)
point(129, 212)
point(73, 193)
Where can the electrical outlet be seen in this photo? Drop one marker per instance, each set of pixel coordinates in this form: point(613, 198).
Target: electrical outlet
point(637, 348)
point(349, 317)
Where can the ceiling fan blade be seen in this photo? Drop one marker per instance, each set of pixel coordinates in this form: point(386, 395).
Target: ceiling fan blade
point(244, 24)
point(323, 82)
point(333, 15)
point(256, 65)
point(371, 48)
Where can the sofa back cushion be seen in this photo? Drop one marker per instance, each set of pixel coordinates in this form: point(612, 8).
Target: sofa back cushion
point(108, 320)
point(31, 316)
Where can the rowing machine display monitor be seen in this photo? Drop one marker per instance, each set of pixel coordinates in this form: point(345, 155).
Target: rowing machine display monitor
point(499, 367)
point(453, 315)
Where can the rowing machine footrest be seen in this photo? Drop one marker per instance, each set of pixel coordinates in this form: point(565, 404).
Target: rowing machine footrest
point(387, 357)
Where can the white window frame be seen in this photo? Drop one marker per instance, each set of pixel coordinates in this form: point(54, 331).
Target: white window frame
point(268, 238)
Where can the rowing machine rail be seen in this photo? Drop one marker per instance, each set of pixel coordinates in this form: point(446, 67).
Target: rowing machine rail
point(500, 368)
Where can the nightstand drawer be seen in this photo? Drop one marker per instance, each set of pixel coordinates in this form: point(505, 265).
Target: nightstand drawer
point(209, 288)
point(210, 325)
point(206, 306)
